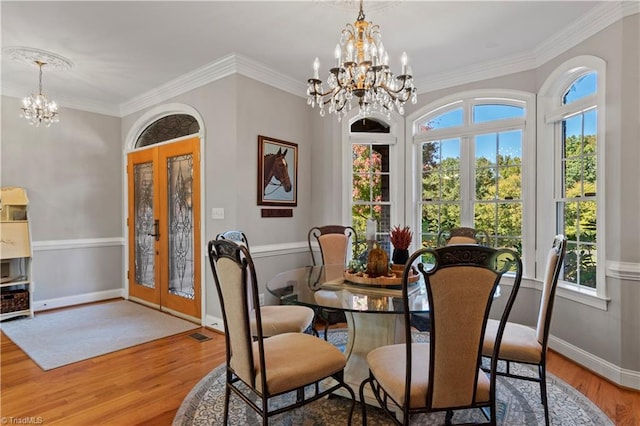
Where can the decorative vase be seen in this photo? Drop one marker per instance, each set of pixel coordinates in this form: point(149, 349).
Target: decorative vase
point(377, 262)
point(400, 256)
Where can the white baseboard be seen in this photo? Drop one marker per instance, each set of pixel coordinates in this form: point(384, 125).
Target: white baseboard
point(63, 302)
point(215, 323)
point(621, 376)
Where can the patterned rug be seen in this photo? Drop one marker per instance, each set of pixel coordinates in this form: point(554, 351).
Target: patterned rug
point(518, 404)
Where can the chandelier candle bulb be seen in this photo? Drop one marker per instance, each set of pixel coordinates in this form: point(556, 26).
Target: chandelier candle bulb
point(316, 67)
point(404, 63)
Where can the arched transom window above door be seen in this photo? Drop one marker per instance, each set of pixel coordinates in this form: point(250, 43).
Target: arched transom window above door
point(167, 128)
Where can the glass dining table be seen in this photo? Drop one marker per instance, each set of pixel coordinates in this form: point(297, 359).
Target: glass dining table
point(373, 312)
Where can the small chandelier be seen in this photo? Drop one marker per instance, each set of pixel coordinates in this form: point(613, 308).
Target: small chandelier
point(362, 69)
point(37, 108)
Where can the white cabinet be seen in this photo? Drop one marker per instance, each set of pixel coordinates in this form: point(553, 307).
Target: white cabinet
point(16, 287)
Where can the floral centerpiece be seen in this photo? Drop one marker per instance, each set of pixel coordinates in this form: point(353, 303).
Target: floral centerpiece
point(401, 240)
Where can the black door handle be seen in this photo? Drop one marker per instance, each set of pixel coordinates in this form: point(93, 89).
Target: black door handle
point(156, 230)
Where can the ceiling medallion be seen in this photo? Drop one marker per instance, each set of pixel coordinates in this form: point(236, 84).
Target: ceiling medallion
point(37, 108)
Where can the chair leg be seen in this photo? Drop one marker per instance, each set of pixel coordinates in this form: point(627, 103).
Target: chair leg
point(363, 404)
point(265, 410)
point(353, 402)
point(227, 392)
point(543, 392)
point(448, 417)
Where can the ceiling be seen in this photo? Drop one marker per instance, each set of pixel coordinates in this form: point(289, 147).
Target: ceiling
point(123, 51)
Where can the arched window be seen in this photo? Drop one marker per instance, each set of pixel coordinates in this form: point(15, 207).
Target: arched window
point(375, 168)
point(573, 120)
point(471, 156)
point(168, 128)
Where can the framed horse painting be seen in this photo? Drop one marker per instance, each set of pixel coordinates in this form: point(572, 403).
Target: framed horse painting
point(277, 172)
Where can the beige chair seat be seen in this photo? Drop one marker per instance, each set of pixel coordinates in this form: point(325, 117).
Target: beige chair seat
point(283, 319)
point(519, 343)
point(388, 365)
point(314, 360)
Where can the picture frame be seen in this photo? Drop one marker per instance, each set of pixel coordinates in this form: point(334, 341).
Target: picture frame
point(277, 172)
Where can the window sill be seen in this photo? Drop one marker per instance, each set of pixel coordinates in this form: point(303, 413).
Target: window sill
point(584, 296)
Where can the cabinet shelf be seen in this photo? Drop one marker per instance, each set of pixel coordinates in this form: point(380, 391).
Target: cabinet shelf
point(16, 285)
point(12, 283)
point(15, 314)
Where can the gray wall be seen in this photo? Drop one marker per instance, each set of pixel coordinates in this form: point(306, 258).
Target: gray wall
point(72, 172)
point(235, 111)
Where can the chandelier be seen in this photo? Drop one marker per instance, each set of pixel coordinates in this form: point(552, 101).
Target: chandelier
point(37, 108)
point(361, 70)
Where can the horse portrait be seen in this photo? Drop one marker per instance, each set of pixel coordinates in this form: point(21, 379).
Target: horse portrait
point(277, 172)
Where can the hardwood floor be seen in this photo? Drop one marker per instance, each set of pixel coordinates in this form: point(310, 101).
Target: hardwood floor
point(145, 384)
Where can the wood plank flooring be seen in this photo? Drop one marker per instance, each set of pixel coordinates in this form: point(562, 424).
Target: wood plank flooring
point(145, 384)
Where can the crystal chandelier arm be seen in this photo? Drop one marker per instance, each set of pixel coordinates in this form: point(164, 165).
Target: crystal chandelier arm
point(40, 64)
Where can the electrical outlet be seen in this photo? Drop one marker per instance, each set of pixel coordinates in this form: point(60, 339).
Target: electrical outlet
point(261, 299)
point(217, 213)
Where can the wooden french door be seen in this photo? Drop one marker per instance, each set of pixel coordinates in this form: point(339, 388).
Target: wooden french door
point(164, 226)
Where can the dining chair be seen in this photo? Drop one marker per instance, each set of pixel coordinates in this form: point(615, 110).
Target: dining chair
point(333, 241)
point(462, 235)
point(445, 374)
point(258, 370)
point(526, 345)
point(276, 319)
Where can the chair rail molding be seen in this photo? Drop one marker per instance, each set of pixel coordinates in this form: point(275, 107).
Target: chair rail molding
point(623, 270)
point(46, 245)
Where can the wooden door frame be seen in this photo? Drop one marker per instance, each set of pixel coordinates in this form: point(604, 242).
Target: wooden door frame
point(134, 133)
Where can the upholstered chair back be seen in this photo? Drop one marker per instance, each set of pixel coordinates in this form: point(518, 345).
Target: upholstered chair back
point(333, 248)
point(460, 297)
point(333, 241)
point(231, 265)
point(461, 282)
point(555, 256)
point(462, 235)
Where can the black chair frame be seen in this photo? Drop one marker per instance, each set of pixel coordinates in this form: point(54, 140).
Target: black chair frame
point(499, 260)
point(240, 254)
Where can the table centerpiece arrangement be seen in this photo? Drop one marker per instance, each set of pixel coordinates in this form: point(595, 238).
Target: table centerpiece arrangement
point(377, 271)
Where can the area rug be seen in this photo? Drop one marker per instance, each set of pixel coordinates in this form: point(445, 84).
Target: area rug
point(518, 404)
point(64, 337)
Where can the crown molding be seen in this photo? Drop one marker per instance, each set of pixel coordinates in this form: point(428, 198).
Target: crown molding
point(595, 21)
point(217, 70)
point(599, 18)
point(257, 71)
point(578, 31)
point(478, 72)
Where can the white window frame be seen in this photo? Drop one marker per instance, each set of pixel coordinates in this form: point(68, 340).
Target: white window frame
point(551, 113)
point(468, 100)
point(397, 173)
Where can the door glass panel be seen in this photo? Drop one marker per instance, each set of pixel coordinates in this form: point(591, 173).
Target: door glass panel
point(180, 223)
point(144, 225)
point(167, 128)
